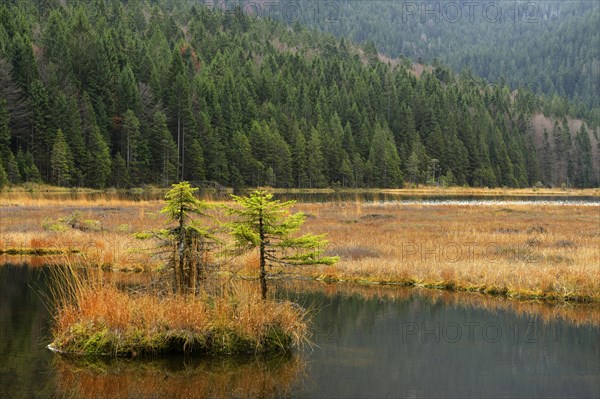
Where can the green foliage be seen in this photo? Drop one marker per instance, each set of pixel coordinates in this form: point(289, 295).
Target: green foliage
point(384, 161)
point(267, 225)
point(136, 153)
point(120, 177)
point(52, 225)
point(12, 169)
point(29, 172)
point(3, 175)
point(548, 46)
point(4, 128)
point(59, 161)
point(99, 163)
point(188, 240)
point(293, 109)
point(181, 203)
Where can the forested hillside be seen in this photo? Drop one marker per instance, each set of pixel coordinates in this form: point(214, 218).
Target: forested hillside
point(107, 93)
point(550, 46)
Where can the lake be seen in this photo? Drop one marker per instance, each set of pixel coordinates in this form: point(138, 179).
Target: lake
point(368, 342)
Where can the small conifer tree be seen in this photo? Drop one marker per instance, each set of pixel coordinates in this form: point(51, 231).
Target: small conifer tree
point(267, 225)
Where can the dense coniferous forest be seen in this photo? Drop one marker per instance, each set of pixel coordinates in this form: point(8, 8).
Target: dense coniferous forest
point(550, 46)
point(109, 93)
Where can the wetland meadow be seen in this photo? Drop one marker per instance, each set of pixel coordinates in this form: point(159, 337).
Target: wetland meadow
point(436, 293)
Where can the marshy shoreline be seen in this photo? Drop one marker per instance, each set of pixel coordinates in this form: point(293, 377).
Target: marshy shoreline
point(546, 252)
point(521, 250)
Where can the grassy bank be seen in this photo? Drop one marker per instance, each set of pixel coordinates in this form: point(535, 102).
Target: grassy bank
point(96, 317)
point(525, 251)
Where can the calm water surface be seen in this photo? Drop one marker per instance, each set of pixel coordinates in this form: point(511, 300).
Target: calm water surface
point(404, 344)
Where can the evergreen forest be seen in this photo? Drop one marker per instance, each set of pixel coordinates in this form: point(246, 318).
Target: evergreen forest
point(110, 93)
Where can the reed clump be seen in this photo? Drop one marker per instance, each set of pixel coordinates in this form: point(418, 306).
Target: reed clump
point(95, 317)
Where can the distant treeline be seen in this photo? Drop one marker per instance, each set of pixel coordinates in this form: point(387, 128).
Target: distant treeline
point(109, 93)
point(550, 46)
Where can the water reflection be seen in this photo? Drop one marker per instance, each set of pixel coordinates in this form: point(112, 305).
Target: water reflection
point(24, 332)
point(545, 312)
point(368, 342)
point(380, 197)
point(175, 378)
point(407, 345)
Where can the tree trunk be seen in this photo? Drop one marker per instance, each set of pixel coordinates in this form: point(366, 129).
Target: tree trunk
point(181, 249)
point(177, 270)
point(194, 267)
point(263, 275)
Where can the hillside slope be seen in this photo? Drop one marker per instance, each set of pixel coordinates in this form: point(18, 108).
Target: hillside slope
point(113, 94)
point(550, 46)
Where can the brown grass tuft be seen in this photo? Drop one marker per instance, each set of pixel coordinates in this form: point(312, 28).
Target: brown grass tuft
point(95, 317)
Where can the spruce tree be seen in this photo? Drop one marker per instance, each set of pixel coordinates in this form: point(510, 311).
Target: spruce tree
point(4, 129)
point(315, 162)
point(195, 169)
point(129, 95)
point(24, 62)
point(267, 225)
point(99, 164)
point(119, 176)
point(12, 169)
point(189, 239)
point(3, 175)
point(242, 163)
point(299, 160)
point(29, 172)
point(384, 160)
point(59, 161)
point(412, 168)
point(41, 137)
point(164, 151)
point(583, 167)
point(136, 152)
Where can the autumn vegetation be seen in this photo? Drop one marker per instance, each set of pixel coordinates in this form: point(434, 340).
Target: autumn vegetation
point(517, 250)
point(189, 296)
point(96, 317)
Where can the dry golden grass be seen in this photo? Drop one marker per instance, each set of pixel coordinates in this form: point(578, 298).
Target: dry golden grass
point(104, 236)
point(527, 251)
point(517, 250)
point(494, 191)
point(95, 317)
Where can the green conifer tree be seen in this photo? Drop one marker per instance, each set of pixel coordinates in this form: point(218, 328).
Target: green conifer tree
point(59, 161)
point(119, 176)
point(267, 225)
point(99, 164)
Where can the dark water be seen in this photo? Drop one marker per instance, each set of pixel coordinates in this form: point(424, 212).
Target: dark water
point(403, 345)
